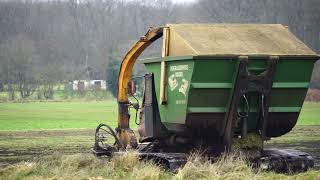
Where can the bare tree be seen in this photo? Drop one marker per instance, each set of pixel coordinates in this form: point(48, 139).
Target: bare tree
point(19, 53)
point(76, 39)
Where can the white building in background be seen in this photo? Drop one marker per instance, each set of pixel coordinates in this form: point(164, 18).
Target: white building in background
point(81, 85)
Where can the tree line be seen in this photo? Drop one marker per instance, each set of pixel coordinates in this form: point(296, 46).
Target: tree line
point(47, 42)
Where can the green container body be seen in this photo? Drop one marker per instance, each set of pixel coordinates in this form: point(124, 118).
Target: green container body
point(198, 85)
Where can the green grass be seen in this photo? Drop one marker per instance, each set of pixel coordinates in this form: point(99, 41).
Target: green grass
point(71, 145)
point(58, 96)
point(310, 114)
point(73, 115)
point(57, 115)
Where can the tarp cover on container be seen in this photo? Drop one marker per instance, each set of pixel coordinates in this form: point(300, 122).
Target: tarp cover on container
point(234, 39)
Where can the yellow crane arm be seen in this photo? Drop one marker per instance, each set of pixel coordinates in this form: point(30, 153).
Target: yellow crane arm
point(124, 78)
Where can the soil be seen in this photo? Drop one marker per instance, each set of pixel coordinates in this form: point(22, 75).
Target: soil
point(28, 146)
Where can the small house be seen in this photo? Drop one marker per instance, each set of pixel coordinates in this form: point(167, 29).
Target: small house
point(87, 85)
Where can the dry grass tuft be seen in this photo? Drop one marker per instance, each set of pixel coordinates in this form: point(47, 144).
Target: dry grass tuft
point(17, 171)
point(126, 162)
point(227, 166)
point(129, 166)
point(86, 166)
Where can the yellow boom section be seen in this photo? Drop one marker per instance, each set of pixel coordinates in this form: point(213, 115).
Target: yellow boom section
point(126, 71)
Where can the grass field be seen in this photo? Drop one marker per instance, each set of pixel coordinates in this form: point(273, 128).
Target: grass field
point(310, 114)
point(74, 115)
point(86, 166)
point(57, 115)
point(53, 140)
point(65, 154)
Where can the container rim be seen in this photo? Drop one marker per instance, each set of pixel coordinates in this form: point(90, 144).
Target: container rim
point(227, 57)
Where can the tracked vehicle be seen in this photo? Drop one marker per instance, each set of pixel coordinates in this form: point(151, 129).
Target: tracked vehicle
point(216, 88)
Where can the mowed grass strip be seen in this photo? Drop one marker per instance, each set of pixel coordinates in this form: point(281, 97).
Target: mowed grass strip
point(310, 114)
point(75, 115)
point(57, 115)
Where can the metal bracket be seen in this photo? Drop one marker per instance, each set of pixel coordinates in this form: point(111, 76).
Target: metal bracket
point(266, 80)
point(244, 83)
point(153, 128)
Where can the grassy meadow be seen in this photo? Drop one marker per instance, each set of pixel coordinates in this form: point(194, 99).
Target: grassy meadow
point(310, 114)
point(57, 115)
point(87, 114)
point(41, 140)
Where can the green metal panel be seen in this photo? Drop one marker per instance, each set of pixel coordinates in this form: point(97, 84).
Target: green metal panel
point(291, 84)
point(212, 83)
point(209, 83)
point(179, 75)
point(206, 109)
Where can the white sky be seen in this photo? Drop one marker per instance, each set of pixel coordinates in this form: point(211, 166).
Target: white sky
point(183, 1)
point(174, 1)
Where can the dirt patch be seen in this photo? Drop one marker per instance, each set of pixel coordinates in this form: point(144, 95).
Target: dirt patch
point(301, 138)
point(18, 146)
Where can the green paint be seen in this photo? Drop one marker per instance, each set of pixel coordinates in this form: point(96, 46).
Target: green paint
point(211, 85)
point(284, 109)
point(206, 109)
point(211, 80)
point(179, 72)
point(290, 85)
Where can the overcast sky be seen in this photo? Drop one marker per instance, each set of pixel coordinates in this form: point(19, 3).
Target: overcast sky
point(183, 1)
